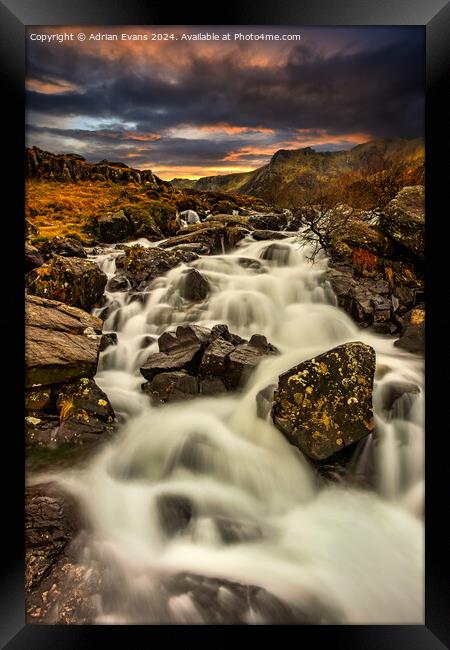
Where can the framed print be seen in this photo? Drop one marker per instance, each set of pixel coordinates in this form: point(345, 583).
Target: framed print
point(231, 409)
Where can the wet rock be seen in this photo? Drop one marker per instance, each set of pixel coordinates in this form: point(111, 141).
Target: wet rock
point(33, 258)
point(248, 263)
point(270, 221)
point(114, 227)
point(194, 286)
point(62, 342)
point(84, 415)
point(64, 246)
point(264, 400)
point(109, 338)
point(171, 387)
point(180, 352)
point(69, 595)
point(142, 265)
point(37, 399)
point(233, 531)
point(199, 249)
point(325, 404)
point(212, 386)
point(262, 235)
point(367, 300)
point(412, 335)
point(277, 253)
point(223, 332)
point(197, 454)
point(217, 237)
point(111, 307)
point(71, 280)
point(175, 513)
point(50, 523)
point(216, 359)
point(118, 283)
point(403, 219)
point(395, 390)
point(244, 359)
point(41, 429)
point(222, 602)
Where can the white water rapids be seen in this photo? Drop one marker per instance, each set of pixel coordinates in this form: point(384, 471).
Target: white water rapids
point(321, 547)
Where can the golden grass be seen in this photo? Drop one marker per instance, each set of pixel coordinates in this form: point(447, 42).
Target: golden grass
point(67, 208)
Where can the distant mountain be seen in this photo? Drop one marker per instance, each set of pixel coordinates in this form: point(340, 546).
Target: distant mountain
point(288, 167)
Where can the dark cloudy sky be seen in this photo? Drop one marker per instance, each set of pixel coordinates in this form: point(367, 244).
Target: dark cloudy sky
point(191, 109)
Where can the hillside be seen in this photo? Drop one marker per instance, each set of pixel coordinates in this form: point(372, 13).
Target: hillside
point(65, 195)
point(287, 169)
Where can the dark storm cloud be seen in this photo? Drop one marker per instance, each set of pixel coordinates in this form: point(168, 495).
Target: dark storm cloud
point(375, 90)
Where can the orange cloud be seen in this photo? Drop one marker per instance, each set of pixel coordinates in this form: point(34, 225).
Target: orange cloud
point(229, 129)
point(50, 87)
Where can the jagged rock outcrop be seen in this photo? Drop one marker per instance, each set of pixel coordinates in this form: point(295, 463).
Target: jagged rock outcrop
point(72, 280)
point(70, 168)
point(325, 404)
point(195, 360)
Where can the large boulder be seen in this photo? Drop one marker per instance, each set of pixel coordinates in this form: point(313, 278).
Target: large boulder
point(64, 246)
point(62, 342)
point(71, 280)
point(404, 220)
point(142, 265)
point(358, 234)
point(269, 221)
point(325, 404)
point(114, 227)
point(412, 335)
point(194, 286)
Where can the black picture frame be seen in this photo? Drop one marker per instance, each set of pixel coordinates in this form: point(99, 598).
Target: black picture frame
point(15, 16)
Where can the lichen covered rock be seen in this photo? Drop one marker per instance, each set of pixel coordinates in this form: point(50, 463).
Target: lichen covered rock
point(72, 280)
point(404, 220)
point(412, 336)
point(142, 265)
point(325, 404)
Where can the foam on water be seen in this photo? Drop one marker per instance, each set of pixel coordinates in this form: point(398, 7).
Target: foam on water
point(358, 553)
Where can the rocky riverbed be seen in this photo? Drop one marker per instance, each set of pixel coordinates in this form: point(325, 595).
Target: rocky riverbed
point(199, 401)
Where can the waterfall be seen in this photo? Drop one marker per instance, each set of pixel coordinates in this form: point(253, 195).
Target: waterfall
point(257, 513)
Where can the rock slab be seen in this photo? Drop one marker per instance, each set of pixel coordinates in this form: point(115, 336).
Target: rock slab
point(325, 404)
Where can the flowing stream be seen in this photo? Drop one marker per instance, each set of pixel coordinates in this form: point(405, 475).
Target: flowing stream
point(327, 551)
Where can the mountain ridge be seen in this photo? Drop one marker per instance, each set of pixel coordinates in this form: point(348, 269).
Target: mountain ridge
point(287, 166)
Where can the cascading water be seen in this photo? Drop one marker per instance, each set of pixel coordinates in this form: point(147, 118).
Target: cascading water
point(327, 551)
